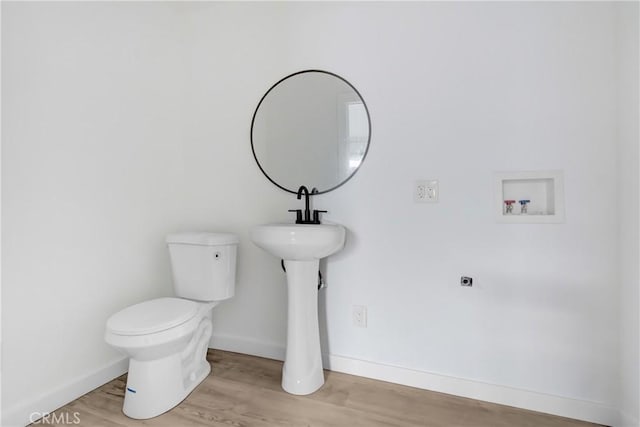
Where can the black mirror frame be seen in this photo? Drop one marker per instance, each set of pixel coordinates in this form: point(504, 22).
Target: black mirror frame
point(302, 183)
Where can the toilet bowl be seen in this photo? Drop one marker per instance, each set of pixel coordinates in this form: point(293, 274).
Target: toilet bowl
point(166, 339)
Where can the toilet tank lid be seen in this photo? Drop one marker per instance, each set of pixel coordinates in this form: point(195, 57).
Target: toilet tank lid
point(203, 238)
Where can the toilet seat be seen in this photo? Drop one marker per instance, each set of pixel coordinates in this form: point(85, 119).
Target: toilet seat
point(153, 316)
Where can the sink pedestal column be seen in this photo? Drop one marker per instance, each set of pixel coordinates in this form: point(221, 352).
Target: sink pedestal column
point(302, 371)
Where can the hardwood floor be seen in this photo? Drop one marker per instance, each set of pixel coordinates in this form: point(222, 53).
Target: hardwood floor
point(245, 391)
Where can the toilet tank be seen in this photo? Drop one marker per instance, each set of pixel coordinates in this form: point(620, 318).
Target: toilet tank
point(203, 265)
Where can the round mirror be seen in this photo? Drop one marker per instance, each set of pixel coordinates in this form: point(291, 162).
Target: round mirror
point(311, 128)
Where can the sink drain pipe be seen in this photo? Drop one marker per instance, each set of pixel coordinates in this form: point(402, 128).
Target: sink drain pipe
point(320, 281)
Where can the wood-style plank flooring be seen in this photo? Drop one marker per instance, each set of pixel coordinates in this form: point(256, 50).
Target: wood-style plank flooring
point(245, 391)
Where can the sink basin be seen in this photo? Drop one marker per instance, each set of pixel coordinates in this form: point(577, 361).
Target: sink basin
point(301, 246)
point(297, 242)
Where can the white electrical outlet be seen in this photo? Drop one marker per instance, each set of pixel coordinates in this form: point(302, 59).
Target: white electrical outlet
point(426, 191)
point(360, 316)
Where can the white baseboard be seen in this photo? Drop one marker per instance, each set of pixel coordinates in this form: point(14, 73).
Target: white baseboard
point(551, 404)
point(30, 410)
point(21, 414)
point(525, 399)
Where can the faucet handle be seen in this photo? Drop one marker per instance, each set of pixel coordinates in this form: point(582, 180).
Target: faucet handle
point(298, 215)
point(316, 216)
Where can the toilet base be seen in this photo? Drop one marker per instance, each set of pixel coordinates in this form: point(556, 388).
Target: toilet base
point(156, 386)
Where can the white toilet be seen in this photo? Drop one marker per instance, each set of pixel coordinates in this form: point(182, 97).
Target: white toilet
point(166, 339)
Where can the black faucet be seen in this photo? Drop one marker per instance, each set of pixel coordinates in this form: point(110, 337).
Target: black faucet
point(307, 213)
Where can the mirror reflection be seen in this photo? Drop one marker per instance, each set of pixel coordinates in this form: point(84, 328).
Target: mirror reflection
point(311, 128)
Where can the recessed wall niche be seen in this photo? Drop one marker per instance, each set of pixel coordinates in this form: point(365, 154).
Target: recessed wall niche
point(529, 197)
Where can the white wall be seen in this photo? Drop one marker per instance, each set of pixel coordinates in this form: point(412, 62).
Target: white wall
point(93, 166)
point(629, 214)
point(127, 121)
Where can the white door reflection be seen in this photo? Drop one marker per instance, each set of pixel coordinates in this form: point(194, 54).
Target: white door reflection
point(353, 133)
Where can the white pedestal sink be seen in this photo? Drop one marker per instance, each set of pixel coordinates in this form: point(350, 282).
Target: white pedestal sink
point(301, 246)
